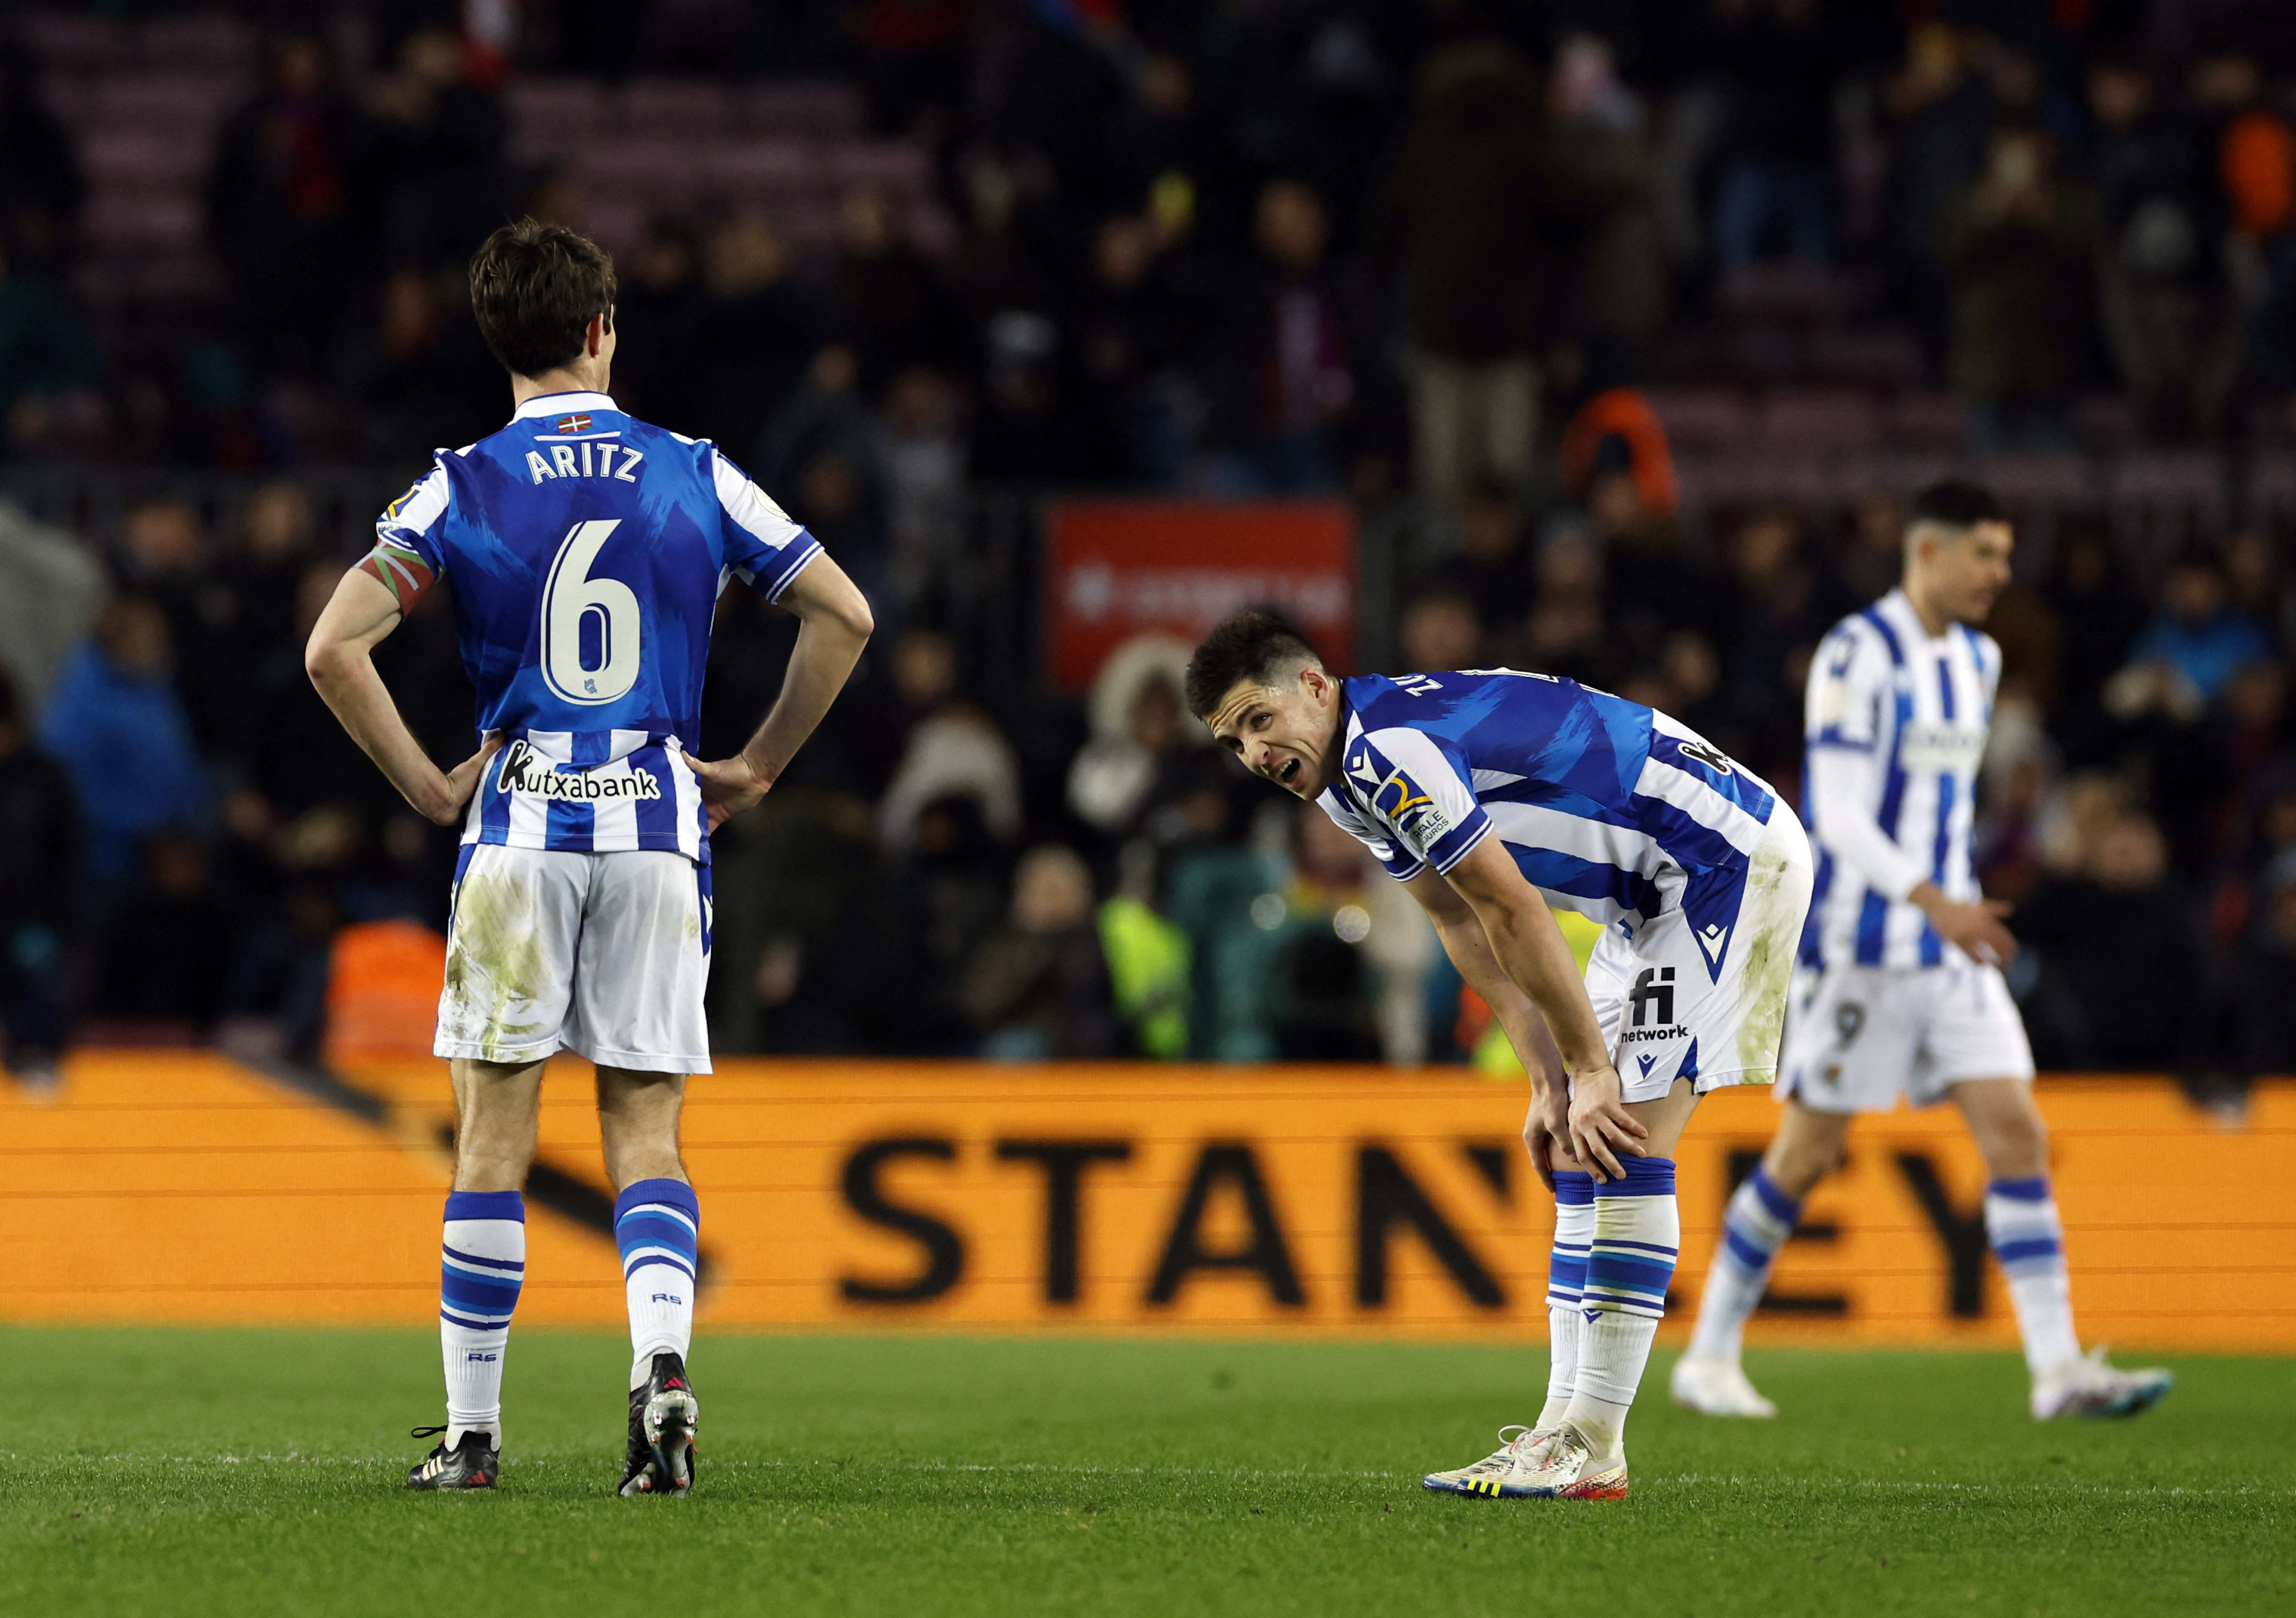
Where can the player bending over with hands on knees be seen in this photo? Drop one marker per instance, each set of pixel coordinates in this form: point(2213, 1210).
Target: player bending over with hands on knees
point(587, 550)
point(1492, 794)
point(1900, 987)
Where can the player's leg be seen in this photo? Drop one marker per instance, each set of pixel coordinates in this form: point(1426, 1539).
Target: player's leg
point(482, 1264)
point(2028, 1241)
point(1629, 1265)
point(1762, 1213)
point(638, 1014)
point(657, 1226)
point(510, 949)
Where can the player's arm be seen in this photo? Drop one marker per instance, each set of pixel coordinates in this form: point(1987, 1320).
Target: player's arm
point(366, 606)
point(1469, 947)
point(1531, 950)
point(834, 625)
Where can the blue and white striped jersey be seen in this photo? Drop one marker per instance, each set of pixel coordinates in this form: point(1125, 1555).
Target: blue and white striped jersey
point(1912, 709)
point(587, 550)
point(1609, 808)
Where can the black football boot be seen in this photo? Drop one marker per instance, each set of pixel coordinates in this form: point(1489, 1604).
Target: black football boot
point(469, 1464)
point(663, 1417)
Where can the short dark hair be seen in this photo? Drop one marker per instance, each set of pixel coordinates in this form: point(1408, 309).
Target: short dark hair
point(535, 288)
point(1248, 646)
point(1957, 502)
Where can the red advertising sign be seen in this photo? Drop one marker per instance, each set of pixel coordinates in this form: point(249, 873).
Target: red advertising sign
point(1121, 568)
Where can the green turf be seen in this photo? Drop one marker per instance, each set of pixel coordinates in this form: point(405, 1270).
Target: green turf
point(256, 1471)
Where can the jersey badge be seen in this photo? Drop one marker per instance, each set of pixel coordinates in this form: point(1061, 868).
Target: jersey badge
point(577, 422)
point(1713, 943)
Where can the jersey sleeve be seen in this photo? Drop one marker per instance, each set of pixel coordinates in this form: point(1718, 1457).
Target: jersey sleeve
point(408, 554)
point(1419, 795)
point(412, 522)
point(1399, 863)
point(763, 548)
point(1848, 692)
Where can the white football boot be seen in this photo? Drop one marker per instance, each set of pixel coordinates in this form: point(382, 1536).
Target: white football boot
point(2091, 1386)
point(1495, 1475)
point(1717, 1387)
point(1573, 1471)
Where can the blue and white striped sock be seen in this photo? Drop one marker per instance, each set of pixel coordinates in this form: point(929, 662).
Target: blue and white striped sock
point(481, 1266)
point(1566, 1282)
point(1759, 1220)
point(1638, 1234)
point(658, 1226)
point(2020, 1221)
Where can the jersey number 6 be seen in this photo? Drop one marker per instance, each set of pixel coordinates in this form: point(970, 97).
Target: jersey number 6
point(568, 597)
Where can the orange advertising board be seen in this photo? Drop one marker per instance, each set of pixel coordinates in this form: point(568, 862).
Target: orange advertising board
point(1121, 568)
point(1120, 1198)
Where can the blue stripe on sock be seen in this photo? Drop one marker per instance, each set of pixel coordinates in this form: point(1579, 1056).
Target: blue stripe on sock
point(1787, 1210)
point(1753, 1257)
point(486, 1205)
point(2033, 1190)
point(1574, 1188)
point(630, 1266)
point(486, 1297)
point(1645, 1177)
point(1624, 1272)
point(476, 1325)
point(460, 1257)
point(2031, 1247)
point(670, 1193)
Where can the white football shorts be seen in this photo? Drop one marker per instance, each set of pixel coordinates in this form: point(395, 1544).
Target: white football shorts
point(1859, 1037)
point(603, 955)
point(1669, 1011)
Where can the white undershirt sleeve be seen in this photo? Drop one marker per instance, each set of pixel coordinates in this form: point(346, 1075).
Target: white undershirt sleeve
point(1840, 786)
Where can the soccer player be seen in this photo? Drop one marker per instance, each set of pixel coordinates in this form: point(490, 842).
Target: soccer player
point(587, 550)
point(1900, 990)
point(1492, 794)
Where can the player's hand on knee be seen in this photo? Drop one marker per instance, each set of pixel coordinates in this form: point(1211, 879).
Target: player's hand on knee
point(1545, 1127)
point(729, 787)
point(461, 781)
point(1600, 1125)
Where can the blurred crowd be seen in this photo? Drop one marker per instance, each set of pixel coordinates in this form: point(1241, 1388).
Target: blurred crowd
point(1423, 255)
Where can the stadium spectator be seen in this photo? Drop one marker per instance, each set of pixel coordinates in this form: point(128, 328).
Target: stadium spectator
point(1773, 191)
point(1464, 204)
point(167, 952)
point(1145, 751)
point(660, 305)
point(2116, 966)
point(1037, 987)
point(118, 724)
point(425, 377)
point(286, 195)
point(42, 189)
point(2016, 245)
point(756, 330)
point(886, 299)
point(437, 142)
point(1440, 629)
point(46, 357)
point(2163, 293)
point(2198, 641)
point(39, 892)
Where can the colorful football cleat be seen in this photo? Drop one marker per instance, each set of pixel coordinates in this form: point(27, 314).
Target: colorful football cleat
point(472, 1464)
point(2091, 1386)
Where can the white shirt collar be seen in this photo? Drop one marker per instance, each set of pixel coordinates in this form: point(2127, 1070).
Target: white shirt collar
point(561, 404)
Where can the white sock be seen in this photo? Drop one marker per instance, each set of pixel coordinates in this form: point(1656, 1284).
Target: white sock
point(658, 1226)
point(1566, 1281)
point(1637, 1233)
point(1760, 1218)
point(481, 1266)
point(2020, 1221)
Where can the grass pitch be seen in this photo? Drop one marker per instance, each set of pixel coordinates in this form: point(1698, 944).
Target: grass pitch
point(257, 1472)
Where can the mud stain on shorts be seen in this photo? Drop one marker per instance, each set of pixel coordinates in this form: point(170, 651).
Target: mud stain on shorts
point(1778, 883)
point(494, 962)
